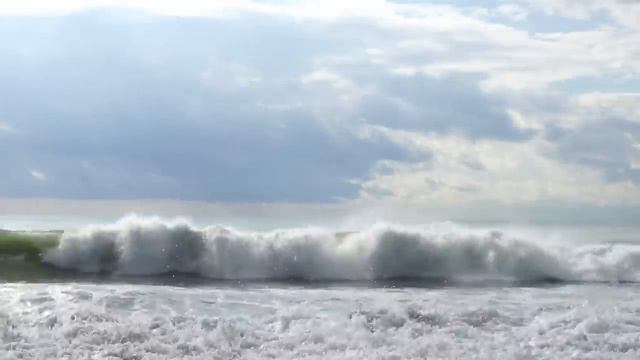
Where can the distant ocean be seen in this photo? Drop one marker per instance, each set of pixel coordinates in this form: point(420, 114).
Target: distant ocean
point(144, 288)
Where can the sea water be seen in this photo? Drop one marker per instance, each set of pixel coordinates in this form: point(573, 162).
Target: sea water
point(148, 289)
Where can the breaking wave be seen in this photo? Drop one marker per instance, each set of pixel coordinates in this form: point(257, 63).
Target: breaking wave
point(149, 246)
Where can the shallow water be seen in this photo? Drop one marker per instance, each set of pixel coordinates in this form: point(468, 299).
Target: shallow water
point(288, 321)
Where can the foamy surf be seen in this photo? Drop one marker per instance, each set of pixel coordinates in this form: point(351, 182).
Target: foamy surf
point(120, 321)
point(150, 246)
point(339, 307)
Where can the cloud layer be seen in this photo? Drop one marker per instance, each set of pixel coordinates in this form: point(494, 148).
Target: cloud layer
point(426, 103)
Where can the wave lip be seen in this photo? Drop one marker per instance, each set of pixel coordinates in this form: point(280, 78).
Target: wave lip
point(149, 246)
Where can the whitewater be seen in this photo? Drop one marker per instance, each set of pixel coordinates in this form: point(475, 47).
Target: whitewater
point(146, 288)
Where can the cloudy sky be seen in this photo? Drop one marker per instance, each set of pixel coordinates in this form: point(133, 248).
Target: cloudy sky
point(520, 104)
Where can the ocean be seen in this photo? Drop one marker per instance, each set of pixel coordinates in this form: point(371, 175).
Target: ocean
point(144, 288)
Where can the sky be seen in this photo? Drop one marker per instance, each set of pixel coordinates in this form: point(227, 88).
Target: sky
point(408, 109)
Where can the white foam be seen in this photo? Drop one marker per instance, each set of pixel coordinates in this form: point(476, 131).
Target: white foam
point(138, 246)
point(84, 321)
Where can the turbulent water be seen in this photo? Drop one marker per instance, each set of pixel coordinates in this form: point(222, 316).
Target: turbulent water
point(143, 288)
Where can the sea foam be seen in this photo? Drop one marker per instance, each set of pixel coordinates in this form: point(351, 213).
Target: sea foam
point(149, 246)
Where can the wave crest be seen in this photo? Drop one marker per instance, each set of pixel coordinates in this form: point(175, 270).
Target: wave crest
point(142, 246)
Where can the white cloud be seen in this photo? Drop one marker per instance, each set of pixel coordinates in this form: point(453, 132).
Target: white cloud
point(612, 105)
point(331, 95)
point(573, 111)
point(634, 141)
point(462, 171)
point(328, 9)
point(229, 77)
point(328, 76)
point(38, 175)
point(433, 39)
point(4, 127)
point(513, 12)
point(535, 61)
point(625, 12)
